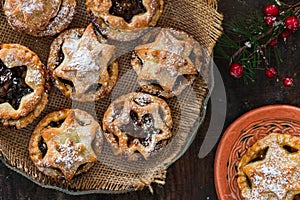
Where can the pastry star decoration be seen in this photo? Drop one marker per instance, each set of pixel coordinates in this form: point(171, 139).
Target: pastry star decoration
point(72, 146)
point(86, 61)
point(165, 60)
point(279, 173)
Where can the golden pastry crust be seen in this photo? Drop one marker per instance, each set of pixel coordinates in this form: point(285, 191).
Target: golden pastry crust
point(39, 17)
point(81, 65)
point(137, 125)
point(168, 65)
point(24, 92)
point(61, 144)
point(270, 169)
point(117, 34)
point(122, 19)
point(30, 117)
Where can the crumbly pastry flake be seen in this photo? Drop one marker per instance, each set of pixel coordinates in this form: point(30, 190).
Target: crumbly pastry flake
point(61, 145)
point(164, 67)
point(270, 169)
point(137, 124)
point(86, 64)
point(39, 17)
point(23, 85)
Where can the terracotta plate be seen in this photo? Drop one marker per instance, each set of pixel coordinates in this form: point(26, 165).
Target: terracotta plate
point(243, 133)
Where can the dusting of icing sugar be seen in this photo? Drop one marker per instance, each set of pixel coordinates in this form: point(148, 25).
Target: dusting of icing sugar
point(275, 176)
point(84, 53)
point(165, 70)
point(63, 11)
point(69, 146)
point(84, 61)
point(31, 6)
point(136, 119)
point(142, 100)
point(35, 76)
point(63, 17)
point(149, 142)
point(10, 61)
point(167, 41)
point(70, 128)
point(69, 154)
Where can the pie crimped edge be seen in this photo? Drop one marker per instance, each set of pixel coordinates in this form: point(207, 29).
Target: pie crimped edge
point(32, 104)
point(50, 20)
point(115, 27)
point(45, 124)
point(247, 168)
point(54, 61)
point(174, 52)
point(118, 114)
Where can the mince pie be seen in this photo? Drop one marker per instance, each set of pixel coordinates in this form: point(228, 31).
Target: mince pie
point(168, 65)
point(23, 85)
point(270, 169)
point(39, 17)
point(61, 145)
point(81, 65)
point(137, 124)
point(124, 20)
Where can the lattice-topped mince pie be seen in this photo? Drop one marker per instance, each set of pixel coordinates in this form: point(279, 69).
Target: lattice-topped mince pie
point(82, 65)
point(39, 17)
point(169, 64)
point(270, 169)
point(23, 85)
point(61, 145)
point(124, 20)
point(136, 125)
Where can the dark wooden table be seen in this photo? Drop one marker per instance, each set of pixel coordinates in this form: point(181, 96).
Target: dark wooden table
point(191, 177)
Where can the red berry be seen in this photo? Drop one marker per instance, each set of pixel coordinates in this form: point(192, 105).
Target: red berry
point(236, 70)
point(269, 20)
point(288, 81)
point(285, 34)
point(271, 10)
point(274, 42)
point(270, 72)
point(291, 23)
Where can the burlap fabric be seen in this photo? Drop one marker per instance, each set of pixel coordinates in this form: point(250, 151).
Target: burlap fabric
point(197, 17)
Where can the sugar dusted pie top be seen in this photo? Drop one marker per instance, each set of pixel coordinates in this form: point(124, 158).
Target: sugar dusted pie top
point(61, 144)
point(86, 62)
point(137, 124)
point(23, 91)
point(270, 169)
point(165, 67)
point(39, 17)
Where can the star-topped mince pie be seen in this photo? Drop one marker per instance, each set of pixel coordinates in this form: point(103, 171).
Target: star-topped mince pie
point(23, 85)
point(270, 169)
point(61, 145)
point(169, 64)
point(39, 17)
point(124, 20)
point(136, 125)
point(81, 65)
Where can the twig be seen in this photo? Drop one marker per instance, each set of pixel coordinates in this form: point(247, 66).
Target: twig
point(261, 47)
point(238, 52)
point(258, 38)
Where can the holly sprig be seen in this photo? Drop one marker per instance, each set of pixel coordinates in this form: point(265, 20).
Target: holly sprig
point(252, 41)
